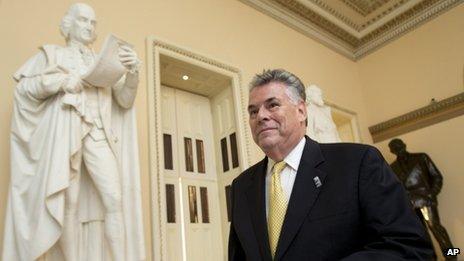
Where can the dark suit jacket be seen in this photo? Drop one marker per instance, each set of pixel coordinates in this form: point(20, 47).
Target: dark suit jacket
point(359, 213)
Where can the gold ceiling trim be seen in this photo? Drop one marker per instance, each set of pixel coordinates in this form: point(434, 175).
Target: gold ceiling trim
point(322, 4)
point(356, 26)
point(307, 14)
point(400, 19)
point(363, 7)
point(307, 21)
point(404, 23)
point(383, 14)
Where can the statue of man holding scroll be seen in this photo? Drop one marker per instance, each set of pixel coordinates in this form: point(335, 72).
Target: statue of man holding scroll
point(75, 188)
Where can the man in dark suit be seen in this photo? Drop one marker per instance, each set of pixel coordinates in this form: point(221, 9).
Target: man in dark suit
point(311, 201)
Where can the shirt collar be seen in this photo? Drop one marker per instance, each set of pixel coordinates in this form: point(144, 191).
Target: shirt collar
point(293, 158)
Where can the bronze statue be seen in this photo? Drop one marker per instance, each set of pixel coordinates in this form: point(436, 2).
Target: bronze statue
point(422, 181)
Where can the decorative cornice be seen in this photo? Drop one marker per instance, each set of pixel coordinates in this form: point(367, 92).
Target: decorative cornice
point(383, 14)
point(402, 25)
point(335, 13)
point(309, 15)
point(420, 118)
point(356, 26)
point(302, 25)
point(309, 22)
point(361, 6)
point(195, 56)
point(416, 11)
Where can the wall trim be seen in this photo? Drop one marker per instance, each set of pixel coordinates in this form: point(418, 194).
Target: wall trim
point(423, 117)
point(341, 35)
point(156, 47)
point(352, 114)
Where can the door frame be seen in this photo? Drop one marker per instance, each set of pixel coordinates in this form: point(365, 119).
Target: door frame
point(353, 116)
point(156, 47)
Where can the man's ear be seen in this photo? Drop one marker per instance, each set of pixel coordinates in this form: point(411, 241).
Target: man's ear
point(302, 114)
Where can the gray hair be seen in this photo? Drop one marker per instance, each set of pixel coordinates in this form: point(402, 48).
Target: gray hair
point(295, 88)
point(69, 17)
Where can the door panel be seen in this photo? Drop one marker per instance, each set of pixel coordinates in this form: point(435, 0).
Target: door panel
point(191, 182)
point(173, 220)
point(202, 223)
point(228, 166)
point(194, 127)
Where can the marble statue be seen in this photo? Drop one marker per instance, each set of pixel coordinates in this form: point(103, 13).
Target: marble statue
point(321, 126)
point(422, 181)
point(75, 181)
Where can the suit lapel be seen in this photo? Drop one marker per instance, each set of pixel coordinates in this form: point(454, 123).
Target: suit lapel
point(304, 195)
point(257, 205)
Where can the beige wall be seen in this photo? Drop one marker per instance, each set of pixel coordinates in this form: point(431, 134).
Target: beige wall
point(226, 30)
point(402, 76)
point(405, 75)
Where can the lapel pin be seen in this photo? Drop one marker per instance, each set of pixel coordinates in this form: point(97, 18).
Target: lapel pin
point(317, 181)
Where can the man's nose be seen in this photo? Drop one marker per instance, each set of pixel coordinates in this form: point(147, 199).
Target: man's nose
point(263, 114)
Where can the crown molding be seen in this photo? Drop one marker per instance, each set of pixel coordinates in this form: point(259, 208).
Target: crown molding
point(420, 118)
point(330, 28)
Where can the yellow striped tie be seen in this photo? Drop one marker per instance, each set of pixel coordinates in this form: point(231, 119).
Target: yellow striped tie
point(277, 207)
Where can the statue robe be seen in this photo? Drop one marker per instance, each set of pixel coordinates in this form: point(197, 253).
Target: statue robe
point(46, 135)
point(321, 126)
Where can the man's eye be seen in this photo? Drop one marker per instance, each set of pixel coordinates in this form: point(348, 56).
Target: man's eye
point(273, 105)
point(253, 112)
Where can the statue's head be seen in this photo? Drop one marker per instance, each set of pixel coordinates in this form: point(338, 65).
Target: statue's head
point(79, 24)
point(397, 147)
point(315, 95)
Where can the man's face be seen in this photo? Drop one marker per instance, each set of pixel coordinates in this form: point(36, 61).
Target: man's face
point(275, 122)
point(83, 26)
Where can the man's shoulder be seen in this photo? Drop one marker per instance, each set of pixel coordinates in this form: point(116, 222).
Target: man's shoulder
point(248, 173)
point(346, 148)
point(349, 154)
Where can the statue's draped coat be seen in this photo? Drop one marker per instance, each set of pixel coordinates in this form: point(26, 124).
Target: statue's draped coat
point(47, 129)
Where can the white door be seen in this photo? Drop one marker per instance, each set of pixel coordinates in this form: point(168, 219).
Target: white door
point(225, 132)
point(193, 224)
point(201, 220)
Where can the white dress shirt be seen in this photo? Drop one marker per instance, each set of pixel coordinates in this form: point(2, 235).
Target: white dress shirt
point(288, 174)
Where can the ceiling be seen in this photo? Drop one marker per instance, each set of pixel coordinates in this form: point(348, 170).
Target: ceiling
point(353, 28)
point(200, 80)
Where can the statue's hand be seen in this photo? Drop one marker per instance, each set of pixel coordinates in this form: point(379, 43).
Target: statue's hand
point(129, 58)
point(73, 84)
